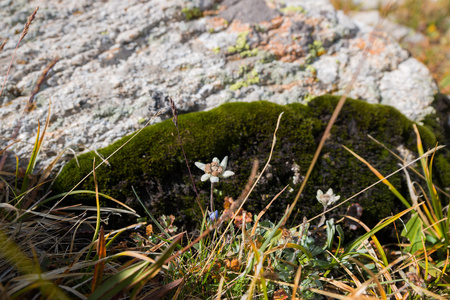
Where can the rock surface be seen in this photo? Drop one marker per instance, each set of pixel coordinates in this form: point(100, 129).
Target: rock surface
point(399, 32)
point(114, 55)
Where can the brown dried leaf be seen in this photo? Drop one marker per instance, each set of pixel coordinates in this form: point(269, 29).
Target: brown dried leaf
point(149, 230)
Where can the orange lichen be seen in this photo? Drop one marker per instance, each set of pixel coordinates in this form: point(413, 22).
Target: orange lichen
point(279, 41)
point(238, 26)
point(378, 46)
point(216, 23)
point(279, 88)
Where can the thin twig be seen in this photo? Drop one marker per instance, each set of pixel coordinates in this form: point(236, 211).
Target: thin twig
point(24, 33)
point(402, 160)
point(175, 121)
point(3, 45)
point(29, 105)
point(261, 213)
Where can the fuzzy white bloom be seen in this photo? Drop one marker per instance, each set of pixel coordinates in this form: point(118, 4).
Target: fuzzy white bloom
point(327, 199)
point(215, 169)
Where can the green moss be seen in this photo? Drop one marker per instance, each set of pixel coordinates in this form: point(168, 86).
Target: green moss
point(436, 124)
point(192, 13)
point(442, 165)
point(153, 163)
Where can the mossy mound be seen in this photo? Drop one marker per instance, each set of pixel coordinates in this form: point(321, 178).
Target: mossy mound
point(154, 165)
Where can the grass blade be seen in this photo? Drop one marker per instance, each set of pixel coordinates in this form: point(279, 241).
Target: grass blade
point(100, 266)
point(377, 228)
point(381, 177)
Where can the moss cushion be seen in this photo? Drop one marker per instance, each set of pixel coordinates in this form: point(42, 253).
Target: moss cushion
point(154, 165)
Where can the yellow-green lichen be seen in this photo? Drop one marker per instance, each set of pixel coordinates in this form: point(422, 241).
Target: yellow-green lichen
point(250, 78)
point(293, 9)
point(242, 47)
point(241, 43)
point(266, 57)
point(316, 49)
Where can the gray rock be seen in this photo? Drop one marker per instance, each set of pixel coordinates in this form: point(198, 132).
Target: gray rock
point(327, 69)
point(399, 32)
point(247, 11)
point(115, 54)
point(409, 79)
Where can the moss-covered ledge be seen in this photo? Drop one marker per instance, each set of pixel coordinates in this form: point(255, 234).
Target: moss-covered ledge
point(153, 162)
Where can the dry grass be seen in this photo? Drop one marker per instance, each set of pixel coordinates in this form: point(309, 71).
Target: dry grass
point(63, 252)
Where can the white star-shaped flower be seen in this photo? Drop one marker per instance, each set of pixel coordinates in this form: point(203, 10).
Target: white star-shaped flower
point(215, 169)
point(327, 199)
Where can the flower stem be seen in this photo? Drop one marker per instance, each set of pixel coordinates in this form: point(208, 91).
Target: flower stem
point(323, 218)
point(211, 199)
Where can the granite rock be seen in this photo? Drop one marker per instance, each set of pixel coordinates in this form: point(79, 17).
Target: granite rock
point(114, 55)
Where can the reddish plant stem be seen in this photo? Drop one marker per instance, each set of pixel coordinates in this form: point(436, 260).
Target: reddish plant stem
point(175, 121)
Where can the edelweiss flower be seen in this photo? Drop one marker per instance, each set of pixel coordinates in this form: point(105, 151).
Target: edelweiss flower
point(215, 170)
point(327, 199)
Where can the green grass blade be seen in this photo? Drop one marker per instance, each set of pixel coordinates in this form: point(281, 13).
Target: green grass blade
point(32, 162)
point(150, 215)
point(76, 192)
point(9, 251)
point(119, 282)
point(377, 228)
point(413, 232)
point(152, 270)
point(381, 177)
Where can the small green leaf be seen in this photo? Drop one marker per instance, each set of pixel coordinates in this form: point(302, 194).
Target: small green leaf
point(331, 230)
point(413, 232)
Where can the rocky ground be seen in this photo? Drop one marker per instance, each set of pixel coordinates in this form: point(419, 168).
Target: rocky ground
point(116, 56)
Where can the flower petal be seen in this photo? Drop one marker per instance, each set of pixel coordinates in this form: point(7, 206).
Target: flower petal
point(205, 177)
point(224, 162)
point(214, 216)
point(319, 194)
point(200, 165)
point(215, 159)
point(330, 192)
point(214, 178)
point(227, 174)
